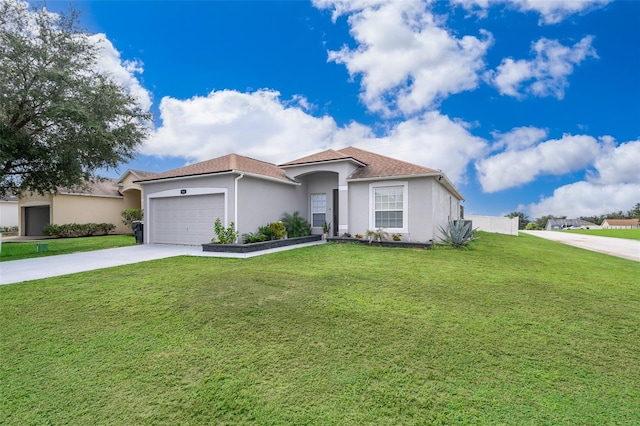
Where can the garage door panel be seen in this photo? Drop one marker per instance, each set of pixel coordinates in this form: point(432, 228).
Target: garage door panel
point(185, 220)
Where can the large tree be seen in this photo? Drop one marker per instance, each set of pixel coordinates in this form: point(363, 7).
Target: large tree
point(61, 117)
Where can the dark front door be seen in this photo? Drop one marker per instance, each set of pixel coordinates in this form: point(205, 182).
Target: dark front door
point(36, 218)
point(336, 216)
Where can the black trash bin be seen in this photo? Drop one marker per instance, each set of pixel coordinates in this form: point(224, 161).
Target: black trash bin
point(138, 231)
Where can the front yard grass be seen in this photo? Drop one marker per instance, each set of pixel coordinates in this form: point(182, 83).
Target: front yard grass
point(513, 331)
point(630, 234)
point(27, 249)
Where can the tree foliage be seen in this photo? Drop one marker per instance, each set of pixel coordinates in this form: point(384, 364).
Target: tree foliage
point(61, 118)
point(523, 219)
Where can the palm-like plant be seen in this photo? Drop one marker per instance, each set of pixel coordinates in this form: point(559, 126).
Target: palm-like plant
point(457, 233)
point(296, 225)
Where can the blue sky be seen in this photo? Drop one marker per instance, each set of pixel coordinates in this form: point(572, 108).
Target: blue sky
point(528, 105)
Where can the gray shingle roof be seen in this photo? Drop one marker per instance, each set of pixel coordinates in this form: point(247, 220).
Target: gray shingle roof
point(226, 163)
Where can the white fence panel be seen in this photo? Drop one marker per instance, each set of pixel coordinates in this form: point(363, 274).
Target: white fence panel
point(497, 224)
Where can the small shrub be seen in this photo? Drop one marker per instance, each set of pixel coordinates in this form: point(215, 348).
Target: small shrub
point(532, 226)
point(224, 235)
point(131, 215)
point(72, 230)
point(359, 236)
point(296, 225)
point(326, 227)
point(377, 235)
point(346, 235)
point(253, 237)
point(457, 233)
point(273, 231)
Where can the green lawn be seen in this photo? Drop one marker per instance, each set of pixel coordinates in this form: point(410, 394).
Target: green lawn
point(25, 250)
point(514, 331)
point(630, 234)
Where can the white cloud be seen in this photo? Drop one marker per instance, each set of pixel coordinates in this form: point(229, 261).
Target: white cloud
point(263, 126)
point(256, 124)
point(435, 141)
point(586, 199)
point(406, 60)
point(546, 74)
point(554, 157)
point(550, 11)
point(613, 186)
point(123, 72)
point(619, 165)
point(518, 138)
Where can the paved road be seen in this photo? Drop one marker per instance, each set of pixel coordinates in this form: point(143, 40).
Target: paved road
point(52, 266)
point(627, 249)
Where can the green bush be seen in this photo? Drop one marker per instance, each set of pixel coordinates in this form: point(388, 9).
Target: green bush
point(532, 226)
point(72, 230)
point(457, 233)
point(224, 235)
point(131, 215)
point(273, 231)
point(253, 237)
point(296, 225)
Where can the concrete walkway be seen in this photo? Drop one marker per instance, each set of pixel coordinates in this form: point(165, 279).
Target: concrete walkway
point(16, 271)
point(619, 247)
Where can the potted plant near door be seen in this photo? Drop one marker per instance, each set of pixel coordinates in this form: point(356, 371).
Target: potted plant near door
point(325, 229)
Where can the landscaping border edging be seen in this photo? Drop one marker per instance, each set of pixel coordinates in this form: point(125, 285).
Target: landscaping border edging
point(399, 244)
point(265, 245)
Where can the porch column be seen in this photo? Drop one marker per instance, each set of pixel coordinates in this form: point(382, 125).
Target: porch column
point(343, 212)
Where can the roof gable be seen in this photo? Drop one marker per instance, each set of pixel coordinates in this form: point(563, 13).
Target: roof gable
point(226, 163)
point(382, 166)
point(622, 222)
point(371, 165)
point(319, 157)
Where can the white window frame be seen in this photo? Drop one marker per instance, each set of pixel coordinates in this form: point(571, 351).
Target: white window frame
point(312, 212)
point(405, 205)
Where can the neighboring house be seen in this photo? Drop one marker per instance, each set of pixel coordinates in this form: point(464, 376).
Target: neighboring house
point(557, 224)
point(620, 223)
point(351, 189)
point(8, 211)
point(100, 201)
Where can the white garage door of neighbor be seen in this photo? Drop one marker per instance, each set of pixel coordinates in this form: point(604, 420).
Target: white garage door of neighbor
point(185, 220)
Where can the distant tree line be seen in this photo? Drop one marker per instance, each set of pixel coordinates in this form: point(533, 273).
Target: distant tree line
point(541, 223)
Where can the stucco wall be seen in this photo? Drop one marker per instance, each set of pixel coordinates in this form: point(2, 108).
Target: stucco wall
point(261, 201)
point(445, 207)
point(429, 206)
point(358, 196)
point(88, 209)
point(8, 213)
point(321, 183)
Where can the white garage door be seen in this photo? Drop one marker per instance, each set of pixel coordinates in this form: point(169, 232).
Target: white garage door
point(185, 220)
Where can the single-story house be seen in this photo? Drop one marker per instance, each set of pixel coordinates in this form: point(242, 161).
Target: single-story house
point(557, 224)
point(620, 223)
point(8, 211)
point(100, 201)
point(350, 189)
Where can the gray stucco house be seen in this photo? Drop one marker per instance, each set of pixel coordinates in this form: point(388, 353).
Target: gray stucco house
point(352, 189)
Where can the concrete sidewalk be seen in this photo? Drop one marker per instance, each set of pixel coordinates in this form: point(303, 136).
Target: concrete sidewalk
point(619, 247)
point(16, 271)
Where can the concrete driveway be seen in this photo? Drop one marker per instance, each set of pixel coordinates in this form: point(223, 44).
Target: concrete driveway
point(619, 247)
point(16, 271)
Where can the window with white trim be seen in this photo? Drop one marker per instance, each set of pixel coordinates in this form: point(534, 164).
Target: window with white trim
point(318, 210)
point(388, 205)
